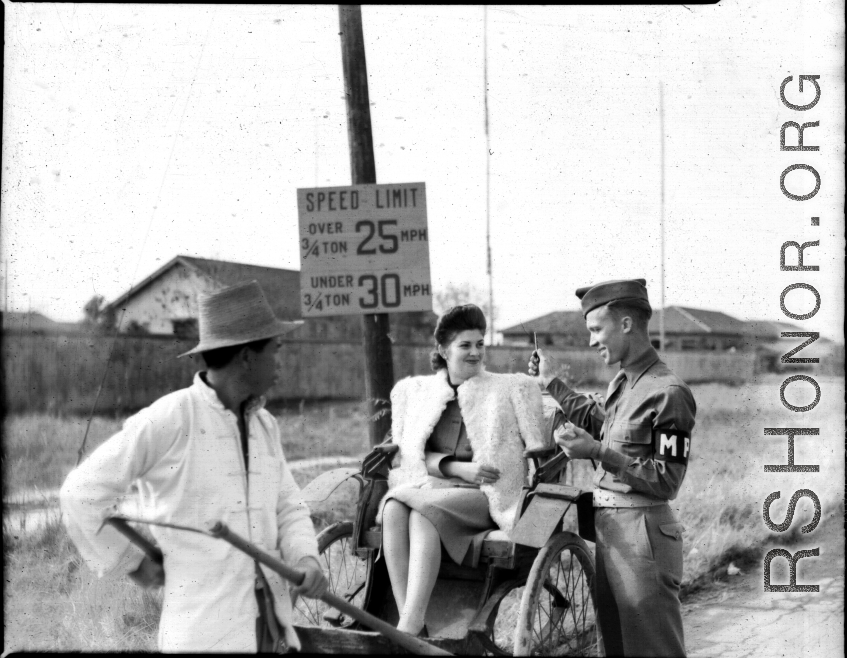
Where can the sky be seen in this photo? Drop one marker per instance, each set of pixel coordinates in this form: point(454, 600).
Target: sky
point(133, 133)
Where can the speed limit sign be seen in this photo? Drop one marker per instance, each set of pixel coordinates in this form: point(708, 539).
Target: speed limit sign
point(363, 249)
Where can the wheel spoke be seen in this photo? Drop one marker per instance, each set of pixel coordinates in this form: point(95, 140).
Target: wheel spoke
point(342, 550)
point(558, 606)
point(346, 575)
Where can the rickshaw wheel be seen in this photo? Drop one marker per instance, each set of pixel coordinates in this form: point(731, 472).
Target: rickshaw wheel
point(557, 615)
point(501, 622)
point(347, 575)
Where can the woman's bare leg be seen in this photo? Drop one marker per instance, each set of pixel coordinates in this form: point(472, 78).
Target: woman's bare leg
point(424, 563)
point(395, 544)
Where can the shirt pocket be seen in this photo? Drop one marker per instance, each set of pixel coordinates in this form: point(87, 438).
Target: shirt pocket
point(632, 439)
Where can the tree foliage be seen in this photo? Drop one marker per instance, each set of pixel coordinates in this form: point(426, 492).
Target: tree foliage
point(93, 309)
point(99, 314)
point(456, 294)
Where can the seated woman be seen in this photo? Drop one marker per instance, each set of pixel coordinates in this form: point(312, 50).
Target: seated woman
point(460, 467)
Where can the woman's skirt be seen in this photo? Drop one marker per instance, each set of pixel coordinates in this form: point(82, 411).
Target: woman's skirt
point(459, 514)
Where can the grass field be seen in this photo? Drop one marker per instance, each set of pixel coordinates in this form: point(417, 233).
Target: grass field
point(40, 450)
point(52, 602)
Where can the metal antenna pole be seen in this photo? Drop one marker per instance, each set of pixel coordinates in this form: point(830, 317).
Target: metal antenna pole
point(81, 450)
point(317, 154)
point(662, 216)
point(487, 180)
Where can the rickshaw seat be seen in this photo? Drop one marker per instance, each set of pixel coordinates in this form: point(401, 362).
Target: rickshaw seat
point(497, 535)
point(497, 548)
point(497, 545)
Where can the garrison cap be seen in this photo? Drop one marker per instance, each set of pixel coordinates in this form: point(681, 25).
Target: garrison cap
point(601, 294)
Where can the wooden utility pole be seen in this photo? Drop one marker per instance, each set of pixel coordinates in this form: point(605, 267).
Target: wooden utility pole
point(379, 363)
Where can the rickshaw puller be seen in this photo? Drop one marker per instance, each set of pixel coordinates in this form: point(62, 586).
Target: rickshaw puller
point(207, 453)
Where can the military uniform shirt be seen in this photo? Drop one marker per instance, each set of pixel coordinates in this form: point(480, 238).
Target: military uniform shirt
point(645, 396)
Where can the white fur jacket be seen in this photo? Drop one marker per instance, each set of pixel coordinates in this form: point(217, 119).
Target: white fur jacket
point(502, 416)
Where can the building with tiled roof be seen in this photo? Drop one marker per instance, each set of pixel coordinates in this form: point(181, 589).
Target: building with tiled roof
point(686, 328)
point(37, 324)
point(165, 302)
point(556, 329)
point(771, 346)
point(770, 330)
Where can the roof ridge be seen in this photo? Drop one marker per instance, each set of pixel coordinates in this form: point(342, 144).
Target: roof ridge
point(235, 262)
point(520, 326)
point(690, 317)
point(135, 288)
point(190, 262)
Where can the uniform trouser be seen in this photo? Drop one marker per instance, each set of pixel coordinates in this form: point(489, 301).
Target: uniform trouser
point(639, 571)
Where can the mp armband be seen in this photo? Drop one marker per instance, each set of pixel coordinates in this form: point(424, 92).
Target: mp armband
point(671, 445)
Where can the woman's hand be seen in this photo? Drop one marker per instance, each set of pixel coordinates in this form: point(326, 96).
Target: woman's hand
point(471, 472)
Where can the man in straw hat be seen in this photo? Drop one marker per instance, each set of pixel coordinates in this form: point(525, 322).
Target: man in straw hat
point(199, 455)
point(642, 437)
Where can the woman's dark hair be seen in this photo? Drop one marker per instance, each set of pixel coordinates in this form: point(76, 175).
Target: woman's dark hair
point(452, 322)
point(221, 357)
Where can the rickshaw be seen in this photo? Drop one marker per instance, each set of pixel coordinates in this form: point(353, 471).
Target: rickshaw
point(531, 594)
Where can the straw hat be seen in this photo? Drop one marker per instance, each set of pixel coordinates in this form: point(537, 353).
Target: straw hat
point(237, 315)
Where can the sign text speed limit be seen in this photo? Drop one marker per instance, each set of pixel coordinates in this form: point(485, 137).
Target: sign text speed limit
point(363, 249)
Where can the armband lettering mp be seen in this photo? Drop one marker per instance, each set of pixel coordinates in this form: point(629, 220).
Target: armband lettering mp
point(671, 445)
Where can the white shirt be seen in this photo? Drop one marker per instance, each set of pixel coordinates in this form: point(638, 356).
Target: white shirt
point(184, 454)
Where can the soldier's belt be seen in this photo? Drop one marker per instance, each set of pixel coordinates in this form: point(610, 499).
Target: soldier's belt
point(605, 498)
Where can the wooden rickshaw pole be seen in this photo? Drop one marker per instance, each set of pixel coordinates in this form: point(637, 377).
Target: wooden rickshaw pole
point(221, 531)
point(379, 363)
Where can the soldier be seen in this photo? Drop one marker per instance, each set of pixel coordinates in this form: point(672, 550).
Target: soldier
point(641, 436)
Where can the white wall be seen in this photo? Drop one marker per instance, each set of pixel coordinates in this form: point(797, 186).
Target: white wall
point(171, 296)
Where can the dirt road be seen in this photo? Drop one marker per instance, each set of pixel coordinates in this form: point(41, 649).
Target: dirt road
point(737, 619)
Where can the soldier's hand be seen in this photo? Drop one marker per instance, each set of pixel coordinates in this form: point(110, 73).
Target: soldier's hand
point(576, 443)
point(314, 583)
point(149, 574)
point(542, 366)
